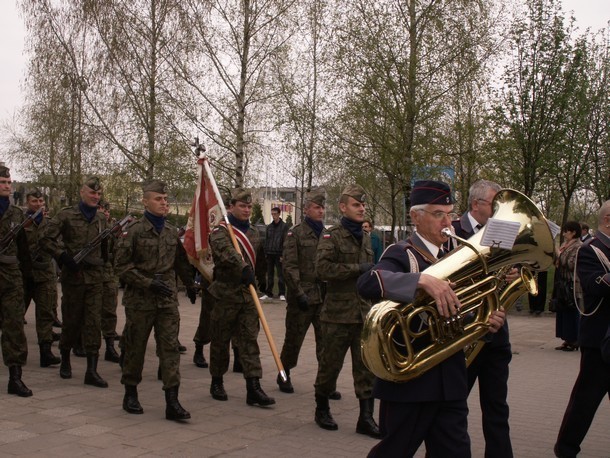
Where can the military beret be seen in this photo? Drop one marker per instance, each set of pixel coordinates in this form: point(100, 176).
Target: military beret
point(241, 195)
point(34, 192)
point(5, 172)
point(356, 191)
point(316, 198)
point(155, 186)
point(431, 192)
point(93, 182)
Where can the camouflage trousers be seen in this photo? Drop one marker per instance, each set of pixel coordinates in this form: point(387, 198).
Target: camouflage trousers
point(337, 338)
point(81, 306)
point(203, 334)
point(14, 343)
point(139, 324)
point(240, 322)
point(297, 325)
point(109, 307)
point(44, 295)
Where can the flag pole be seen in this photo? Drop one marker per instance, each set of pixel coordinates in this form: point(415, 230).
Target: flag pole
point(259, 308)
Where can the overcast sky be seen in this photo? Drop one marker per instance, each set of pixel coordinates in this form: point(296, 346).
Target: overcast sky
point(589, 13)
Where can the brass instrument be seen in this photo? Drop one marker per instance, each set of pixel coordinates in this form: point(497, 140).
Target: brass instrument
point(402, 341)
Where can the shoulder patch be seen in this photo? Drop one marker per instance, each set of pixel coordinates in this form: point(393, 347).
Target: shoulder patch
point(325, 236)
point(289, 234)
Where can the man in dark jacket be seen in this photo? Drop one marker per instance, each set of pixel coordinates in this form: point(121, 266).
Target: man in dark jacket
point(274, 245)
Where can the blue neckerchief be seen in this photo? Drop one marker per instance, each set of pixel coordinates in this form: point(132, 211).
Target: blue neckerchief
point(241, 225)
point(158, 222)
point(4, 204)
point(38, 219)
point(317, 226)
point(87, 211)
point(353, 227)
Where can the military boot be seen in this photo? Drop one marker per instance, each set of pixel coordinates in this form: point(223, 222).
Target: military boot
point(217, 389)
point(47, 358)
point(15, 384)
point(237, 367)
point(335, 395)
point(255, 394)
point(198, 357)
point(111, 354)
point(366, 423)
point(285, 387)
point(323, 417)
point(173, 409)
point(65, 370)
point(91, 375)
point(131, 404)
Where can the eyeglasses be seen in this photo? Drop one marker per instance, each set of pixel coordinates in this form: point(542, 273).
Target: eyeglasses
point(483, 200)
point(439, 215)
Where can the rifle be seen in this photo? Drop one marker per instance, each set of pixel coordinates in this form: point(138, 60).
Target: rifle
point(6, 241)
point(97, 241)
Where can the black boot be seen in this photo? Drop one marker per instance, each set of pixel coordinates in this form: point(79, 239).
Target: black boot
point(237, 367)
point(366, 423)
point(47, 358)
point(130, 400)
point(323, 417)
point(198, 357)
point(65, 370)
point(255, 394)
point(121, 357)
point(173, 409)
point(15, 384)
point(335, 395)
point(159, 373)
point(56, 336)
point(181, 348)
point(217, 389)
point(285, 387)
point(91, 376)
point(111, 354)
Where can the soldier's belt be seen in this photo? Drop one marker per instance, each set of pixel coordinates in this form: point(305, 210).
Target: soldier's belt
point(4, 259)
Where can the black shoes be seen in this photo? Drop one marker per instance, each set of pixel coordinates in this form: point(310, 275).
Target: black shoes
point(111, 354)
point(335, 395)
point(173, 409)
point(322, 416)
point(198, 357)
point(366, 424)
point(91, 376)
point(217, 389)
point(131, 404)
point(65, 370)
point(256, 395)
point(15, 384)
point(47, 358)
point(237, 367)
point(285, 387)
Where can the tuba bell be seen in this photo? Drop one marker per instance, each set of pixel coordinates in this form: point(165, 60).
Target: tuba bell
point(402, 341)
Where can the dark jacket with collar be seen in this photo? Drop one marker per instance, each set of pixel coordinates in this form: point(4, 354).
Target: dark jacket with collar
point(274, 238)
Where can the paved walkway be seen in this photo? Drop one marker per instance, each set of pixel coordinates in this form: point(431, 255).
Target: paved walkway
point(66, 418)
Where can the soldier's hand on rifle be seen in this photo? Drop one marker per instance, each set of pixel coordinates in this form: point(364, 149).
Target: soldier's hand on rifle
point(303, 302)
point(161, 288)
point(66, 261)
point(247, 276)
point(191, 292)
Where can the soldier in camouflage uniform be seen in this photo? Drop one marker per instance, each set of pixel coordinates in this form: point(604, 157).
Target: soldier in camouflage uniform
point(82, 284)
point(42, 285)
point(344, 253)
point(148, 257)
point(109, 294)
point(304, 290)
point(234, 311)
point(14, 344)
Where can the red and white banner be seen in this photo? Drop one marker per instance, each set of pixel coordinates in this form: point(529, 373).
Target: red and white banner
point(204, 216)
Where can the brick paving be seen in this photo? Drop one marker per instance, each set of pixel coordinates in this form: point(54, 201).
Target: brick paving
point(67, 418)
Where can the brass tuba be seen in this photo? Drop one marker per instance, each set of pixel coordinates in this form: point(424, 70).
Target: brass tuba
point(402, 341)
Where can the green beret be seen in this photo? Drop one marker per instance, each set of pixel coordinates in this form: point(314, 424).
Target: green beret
point(34, 192)
point(316, 198)
point(356, 191)
point(93, 182)
point(241, 195)
point(5, 172)
point(155, 186)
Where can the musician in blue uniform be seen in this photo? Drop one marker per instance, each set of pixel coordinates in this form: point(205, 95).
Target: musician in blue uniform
point(491, 364)
point(431, 408)
point(593, 382)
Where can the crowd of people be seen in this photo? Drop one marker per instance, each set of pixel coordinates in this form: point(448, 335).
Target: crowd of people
point(329, 278)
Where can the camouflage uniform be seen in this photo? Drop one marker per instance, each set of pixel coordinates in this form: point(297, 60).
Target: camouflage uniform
point(339, 257)
point(234, 312)
point(42, 287)
point(141, 256)
point(299, 257)
point(109, 294)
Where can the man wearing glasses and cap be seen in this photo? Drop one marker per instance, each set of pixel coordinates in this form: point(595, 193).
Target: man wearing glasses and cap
point(431, 408)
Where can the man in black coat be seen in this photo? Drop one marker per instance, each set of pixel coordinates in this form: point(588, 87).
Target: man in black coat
point(274, 246)
point(593, 382)
point(431, 408)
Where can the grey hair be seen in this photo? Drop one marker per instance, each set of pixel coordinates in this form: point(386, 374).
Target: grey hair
point(603, 211)
point(479, 190)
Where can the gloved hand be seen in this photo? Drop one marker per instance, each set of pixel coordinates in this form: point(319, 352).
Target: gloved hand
point(303, 302)
point(66, 261)
point(161, 288)
point(365, 267)
point(191, 292)
point(247, 276)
